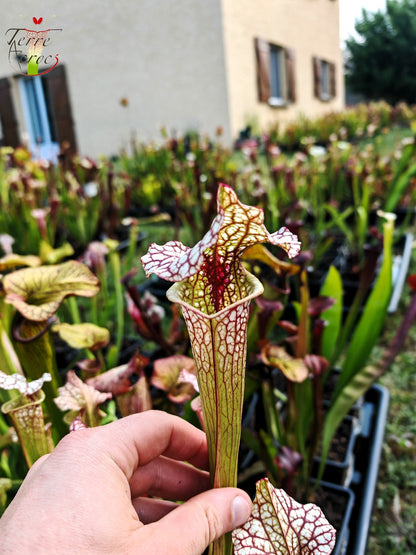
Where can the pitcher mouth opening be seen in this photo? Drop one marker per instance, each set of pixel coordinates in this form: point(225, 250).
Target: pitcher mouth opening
point(175, 296)
point(23, 401)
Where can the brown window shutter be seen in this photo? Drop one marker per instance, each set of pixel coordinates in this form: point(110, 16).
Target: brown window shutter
point(8, 115)
point(263, 69)
point(61, 106)
point(316, 77)
point(290, 73)
point(332, 80)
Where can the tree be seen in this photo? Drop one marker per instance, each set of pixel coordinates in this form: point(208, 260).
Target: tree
point(381, 64)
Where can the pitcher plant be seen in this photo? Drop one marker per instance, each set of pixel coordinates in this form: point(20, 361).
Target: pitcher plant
point(214, 291)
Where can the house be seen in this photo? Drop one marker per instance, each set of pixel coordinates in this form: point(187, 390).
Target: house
point(132, 67)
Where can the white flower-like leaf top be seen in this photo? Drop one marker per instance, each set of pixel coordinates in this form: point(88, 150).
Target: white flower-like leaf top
point(19, 382)
point(211, 272)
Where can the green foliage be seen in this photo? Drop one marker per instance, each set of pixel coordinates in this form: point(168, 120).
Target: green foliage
point(365, 120)
point(355, 376)
point(332, 287)
point(381, 62)
point(328, 193)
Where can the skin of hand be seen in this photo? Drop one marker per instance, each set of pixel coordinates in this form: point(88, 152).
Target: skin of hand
point(94, 493)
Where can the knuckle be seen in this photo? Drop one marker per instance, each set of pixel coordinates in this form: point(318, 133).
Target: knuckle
point(214, 526)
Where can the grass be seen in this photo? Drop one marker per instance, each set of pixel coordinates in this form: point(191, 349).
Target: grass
point(393, 528)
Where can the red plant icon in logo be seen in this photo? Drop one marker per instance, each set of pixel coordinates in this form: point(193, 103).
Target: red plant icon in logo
point(36, 39)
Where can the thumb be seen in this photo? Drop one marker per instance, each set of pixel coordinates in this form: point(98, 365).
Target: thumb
point(191, 527)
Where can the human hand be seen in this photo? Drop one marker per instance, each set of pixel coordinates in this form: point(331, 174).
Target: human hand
point(89, 495)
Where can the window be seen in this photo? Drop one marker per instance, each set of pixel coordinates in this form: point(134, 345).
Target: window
point(38, 117)
point(275, 73)
point(324, 79)
point(46, 111)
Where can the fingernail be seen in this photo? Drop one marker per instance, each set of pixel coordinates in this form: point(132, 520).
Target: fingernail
point(241, 510)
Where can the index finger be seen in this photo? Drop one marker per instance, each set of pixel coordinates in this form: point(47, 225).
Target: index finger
point(137, 439)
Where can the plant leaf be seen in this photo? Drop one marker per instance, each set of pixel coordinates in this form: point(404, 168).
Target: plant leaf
point(279, 524)
point(50, 255)
point(332, 287)
point(371, 322)
point(355, 378)
point(294, 369)
point(401, 178)
point(83, 336)
point(12, 260)
point(38, 292)
point(136, 399)
point(119, 380)
point(260, 253)
point(77, 396)
point(166, 373)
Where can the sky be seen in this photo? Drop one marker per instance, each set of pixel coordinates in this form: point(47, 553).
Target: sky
point(350, 10)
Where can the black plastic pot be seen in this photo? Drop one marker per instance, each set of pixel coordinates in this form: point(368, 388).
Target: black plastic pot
point(344, 498)
point(359, 470)
point(341, 470)
point(364, 461)
point(367, 461)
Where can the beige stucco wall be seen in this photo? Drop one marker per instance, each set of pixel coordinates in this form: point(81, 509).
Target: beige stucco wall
point(166, 57)
point(310, 27)
point(183, 64)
